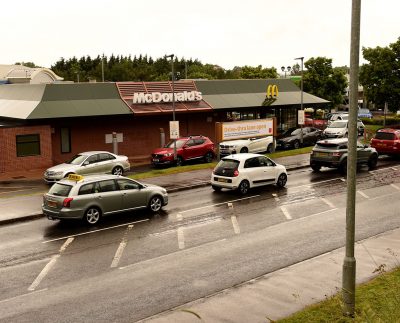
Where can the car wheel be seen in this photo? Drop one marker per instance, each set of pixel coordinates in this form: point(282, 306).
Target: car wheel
point(282, 179)
point(117, 170)
point(155, 203)
point(244, 187)
point(216, 188)
point(372, 161)
point(296, 144)
point(92, 215)
point(269, 149)
point(315, 168)
point(343, 166)
point(208, 157)
point(244, 150)
point(179, 161)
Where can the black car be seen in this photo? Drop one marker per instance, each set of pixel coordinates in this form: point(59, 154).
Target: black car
point(291, 138)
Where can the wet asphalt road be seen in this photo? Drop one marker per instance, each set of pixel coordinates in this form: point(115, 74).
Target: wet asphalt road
point(133, 266)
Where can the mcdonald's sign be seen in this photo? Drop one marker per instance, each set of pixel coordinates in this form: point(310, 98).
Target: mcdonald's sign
point(272, 91)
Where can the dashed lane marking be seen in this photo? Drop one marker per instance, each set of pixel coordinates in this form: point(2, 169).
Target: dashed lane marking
point(327, 202)
point(122, 245)
point(49, 265)
point(235, 224)
point(363, 194)
point(181, 238)
point(395, 186)
point(179, 217)
point(23, 295)
point(286, 213)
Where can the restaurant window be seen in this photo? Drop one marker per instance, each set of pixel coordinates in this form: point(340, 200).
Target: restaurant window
point(28, 145)
point(65, 140)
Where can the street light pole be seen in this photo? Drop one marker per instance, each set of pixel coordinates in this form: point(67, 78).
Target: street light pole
point(349, 262)
point(102, 68)
point(301, 98)
point(286, 69)
point(173, 96)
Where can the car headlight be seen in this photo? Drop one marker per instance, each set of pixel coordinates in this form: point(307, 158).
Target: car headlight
point(58, 173)
point(168, 154)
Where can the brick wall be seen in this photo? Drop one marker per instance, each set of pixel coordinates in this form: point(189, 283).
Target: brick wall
point(8, 158)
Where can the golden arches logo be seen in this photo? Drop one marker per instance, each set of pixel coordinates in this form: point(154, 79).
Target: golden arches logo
point(272, 91)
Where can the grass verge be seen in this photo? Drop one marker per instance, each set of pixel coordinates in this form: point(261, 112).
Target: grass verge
point(376, 301)
point(187, 168)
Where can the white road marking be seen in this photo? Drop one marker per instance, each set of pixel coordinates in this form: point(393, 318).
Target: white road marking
point(179, 217)
point(276, 198)
point(217, 204)
point(173, 253)
point(327, 202)
point(181, 238)
point(343, 179)
point(363, 194)
point(44, 272)
point(122, 245)
point(235, 224)
point(94, 231)
point(23, 295)
point(50, 265)
point(395, 186)
point(286, 213)
point(394, 168)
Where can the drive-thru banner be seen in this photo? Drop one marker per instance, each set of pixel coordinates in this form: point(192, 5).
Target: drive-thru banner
point(245, 129)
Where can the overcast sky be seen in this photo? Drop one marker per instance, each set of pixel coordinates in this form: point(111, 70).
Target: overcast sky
point(224, 32)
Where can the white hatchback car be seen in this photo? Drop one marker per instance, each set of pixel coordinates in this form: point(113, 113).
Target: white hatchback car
point(250, 145)
point(244, 171)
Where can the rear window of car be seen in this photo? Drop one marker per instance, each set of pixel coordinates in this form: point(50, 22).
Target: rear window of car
point(385, 136)
point(228, 164)
point(60, 189)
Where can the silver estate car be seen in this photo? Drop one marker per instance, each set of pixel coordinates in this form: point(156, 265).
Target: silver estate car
point(91, 197)
point(90, 162)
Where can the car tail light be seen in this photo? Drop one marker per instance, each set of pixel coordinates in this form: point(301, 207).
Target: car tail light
point(236, 173)
point(67, 202)
point(337, 154)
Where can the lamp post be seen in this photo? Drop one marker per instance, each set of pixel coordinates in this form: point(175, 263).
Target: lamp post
point(301, 98)
point(286, 69)
point(102, 68)
point(173, 96)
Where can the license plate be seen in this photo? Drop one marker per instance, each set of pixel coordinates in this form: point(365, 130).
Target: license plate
point(51, 204)
point(223, 180)
point(318, 154)
point(156, 160)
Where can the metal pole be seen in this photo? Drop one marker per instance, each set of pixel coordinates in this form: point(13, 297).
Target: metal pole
point(102, 68)
point(349, 263)
point(301, 97)
point(185, 70)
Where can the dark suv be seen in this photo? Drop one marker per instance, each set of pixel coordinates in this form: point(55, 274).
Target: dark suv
point(187, 148)
point(333, 153)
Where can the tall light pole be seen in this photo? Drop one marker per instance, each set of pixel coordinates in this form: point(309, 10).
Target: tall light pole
point(173, 95)
point(102, 68)
point(349, 262)
point(286, 69)
point(301, 98)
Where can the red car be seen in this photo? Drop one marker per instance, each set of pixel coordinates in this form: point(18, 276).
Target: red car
point(187, 148)
point(387, 141)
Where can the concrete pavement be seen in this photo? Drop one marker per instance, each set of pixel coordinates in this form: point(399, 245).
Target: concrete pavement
point(274, 295)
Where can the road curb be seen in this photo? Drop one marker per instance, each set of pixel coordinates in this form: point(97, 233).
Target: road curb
point(24, 218)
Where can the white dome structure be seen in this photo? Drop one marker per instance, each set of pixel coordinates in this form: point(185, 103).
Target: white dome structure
point(22, 74)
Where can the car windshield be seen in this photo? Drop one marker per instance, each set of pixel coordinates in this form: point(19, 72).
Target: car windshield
point(179, 143)
point(77, 159)
point(60, 189)
point(291, 132)
point(338, 124)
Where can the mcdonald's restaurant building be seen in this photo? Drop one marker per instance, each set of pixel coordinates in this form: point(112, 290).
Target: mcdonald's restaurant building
point(46, 124)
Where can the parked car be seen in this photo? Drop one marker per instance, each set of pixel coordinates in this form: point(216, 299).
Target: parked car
point(387, 141)
point(337, 116)
point(333, 153)
point(340, 129)
point(187, 148)
point(92, 197)
point(249, 145)
point(291, 138)
point(364, 113)
point(90, 162)
point(244, 171)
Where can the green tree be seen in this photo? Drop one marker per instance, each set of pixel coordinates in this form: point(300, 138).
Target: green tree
point(322, 80)
point(380, 78)
point(248, 72)
point(27, 64)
